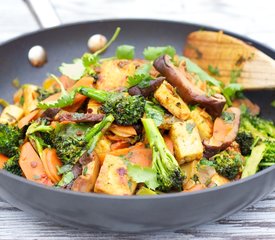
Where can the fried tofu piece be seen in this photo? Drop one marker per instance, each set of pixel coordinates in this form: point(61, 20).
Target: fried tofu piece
point(219, 180)
point(113, 74)
point(86, 181)
point(187, 141)
point(11, 114)
point(203, 121)
point(113, 178)
point(168, 98)
point(189, 169)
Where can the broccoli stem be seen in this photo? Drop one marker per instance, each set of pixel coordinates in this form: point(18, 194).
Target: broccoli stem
point(98, 95)
point(164, 163)
point(98, 131)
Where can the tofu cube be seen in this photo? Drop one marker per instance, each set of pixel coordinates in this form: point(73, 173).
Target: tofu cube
point(187, 141)
point(11, 114)
point(203, 121)
point(168, 98)
point(113, 178)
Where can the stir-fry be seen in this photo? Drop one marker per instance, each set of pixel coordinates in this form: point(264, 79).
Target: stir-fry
point(128, 126)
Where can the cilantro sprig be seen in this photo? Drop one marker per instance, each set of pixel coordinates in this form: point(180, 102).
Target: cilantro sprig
point(141, 77)
point(152, 53)
point(85, 64)
point(64, 100)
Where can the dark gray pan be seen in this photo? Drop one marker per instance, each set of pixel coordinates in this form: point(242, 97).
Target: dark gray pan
point(118, 213)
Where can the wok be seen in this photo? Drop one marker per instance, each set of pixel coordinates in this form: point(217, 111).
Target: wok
point(174, 211)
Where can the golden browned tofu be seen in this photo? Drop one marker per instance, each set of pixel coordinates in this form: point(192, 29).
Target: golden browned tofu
point(168, 98)
point(113, 74)
point(203, 121)
point(86, 181)
point(113, 178)
point(11, 114)
point(187, 141)
point(30, 98)
point(103, 146)
point(219, 180)
point(189, 169)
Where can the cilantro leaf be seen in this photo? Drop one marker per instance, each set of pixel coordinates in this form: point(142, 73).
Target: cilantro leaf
point(73, 70)
point(194, 68)
point(152, 53)
point(143, 175)
point(234, 75)
point(155, 112)
point(141, 77)
point(65, 99)
point(228, 117)
point(214, 70)
point(272, 104)
point(230, 91)
point(125, 52)
point(84, 65)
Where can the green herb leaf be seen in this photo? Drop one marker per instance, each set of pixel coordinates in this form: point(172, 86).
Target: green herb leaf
point(204, 76)
point(141, 77)
point(143, 175)
point(156, 112)
point(190, 127)
point(228, 117)
point(73, 70)
point(65, 99)
point(152, 53)
point(230, 91)
point(234, 75)
point(272, 104)
point(214, 70)
point(125, 52)
point(64, 169)
point(85, 65)
point(67, 178)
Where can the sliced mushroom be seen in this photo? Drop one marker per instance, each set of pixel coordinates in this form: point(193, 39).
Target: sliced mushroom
point(50, 113)
point(189, 92)
point(80, 117)
point(224, 132)
point(147, 91)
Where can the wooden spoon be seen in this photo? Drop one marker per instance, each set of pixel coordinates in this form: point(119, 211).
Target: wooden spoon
point(231, 60)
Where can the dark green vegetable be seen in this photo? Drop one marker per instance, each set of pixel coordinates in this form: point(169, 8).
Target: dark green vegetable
point(169, 174)
point(127, 110)
point(245, 141)
point(12, 165)
point(154, 111)
point(227, 163)
point(10, 138)
point(269, 154)
point(73, 140)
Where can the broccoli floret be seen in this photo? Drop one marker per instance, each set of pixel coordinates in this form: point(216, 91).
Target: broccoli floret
point(258, 127)
point(73, 140)
point(164, 163)
point(12, 165)
point(227, 163)
point(127, 110)
point(245, 141)
point(269, 154)
point(10, 138)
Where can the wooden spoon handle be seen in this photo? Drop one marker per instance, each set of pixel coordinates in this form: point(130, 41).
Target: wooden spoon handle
point(231, 60)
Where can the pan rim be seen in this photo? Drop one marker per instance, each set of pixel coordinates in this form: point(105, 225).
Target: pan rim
point(135, 197)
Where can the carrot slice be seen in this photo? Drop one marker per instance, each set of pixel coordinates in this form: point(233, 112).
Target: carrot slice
point(32, 165)
point(120, 145)
point(25, 120)
point(138, 154)
point(50, 162)
point(3, 160)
